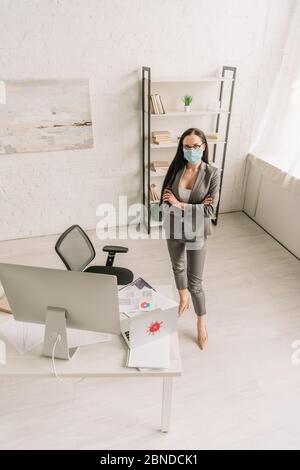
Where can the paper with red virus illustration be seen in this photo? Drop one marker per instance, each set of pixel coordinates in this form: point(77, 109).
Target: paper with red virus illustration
point(154, 327)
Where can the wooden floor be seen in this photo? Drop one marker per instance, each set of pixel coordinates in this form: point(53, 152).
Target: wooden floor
point(242, 392)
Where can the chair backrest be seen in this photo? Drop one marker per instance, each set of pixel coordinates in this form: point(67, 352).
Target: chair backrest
point(75, 248)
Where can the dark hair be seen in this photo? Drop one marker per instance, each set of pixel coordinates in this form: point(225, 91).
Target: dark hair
point(179, 161)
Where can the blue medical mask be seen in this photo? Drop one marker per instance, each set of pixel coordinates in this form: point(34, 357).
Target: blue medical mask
point(192, 155)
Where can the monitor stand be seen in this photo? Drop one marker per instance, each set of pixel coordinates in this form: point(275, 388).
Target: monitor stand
point(56, 325)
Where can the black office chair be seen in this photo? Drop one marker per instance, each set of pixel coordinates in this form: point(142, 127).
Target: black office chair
point(76, 251)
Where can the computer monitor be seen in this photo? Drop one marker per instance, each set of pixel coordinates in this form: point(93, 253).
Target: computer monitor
point(61, 299)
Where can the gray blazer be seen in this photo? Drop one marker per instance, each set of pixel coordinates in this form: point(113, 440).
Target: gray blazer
point(207, 182)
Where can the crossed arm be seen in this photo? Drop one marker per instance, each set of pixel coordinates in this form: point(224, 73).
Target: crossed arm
point(210, 202)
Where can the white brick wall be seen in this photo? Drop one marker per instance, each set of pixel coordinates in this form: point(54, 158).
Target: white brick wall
point(108, 41)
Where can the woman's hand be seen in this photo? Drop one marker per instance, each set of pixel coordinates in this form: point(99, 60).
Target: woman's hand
point(169, 197)
point(207, 200)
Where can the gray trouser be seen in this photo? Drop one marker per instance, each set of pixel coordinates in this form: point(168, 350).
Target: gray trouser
point(189, 277)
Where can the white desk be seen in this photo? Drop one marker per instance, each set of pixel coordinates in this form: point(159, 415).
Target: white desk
point(98, 360)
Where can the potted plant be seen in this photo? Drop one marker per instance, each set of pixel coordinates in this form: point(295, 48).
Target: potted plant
point(187, 99)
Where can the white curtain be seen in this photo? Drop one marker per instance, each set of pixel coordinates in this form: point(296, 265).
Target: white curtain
point(278, 139)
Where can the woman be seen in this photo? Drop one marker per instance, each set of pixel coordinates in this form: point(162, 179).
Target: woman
point(191, 181)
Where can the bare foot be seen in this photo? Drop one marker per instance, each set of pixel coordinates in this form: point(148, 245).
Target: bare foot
point(202, 333)
point(184, 302)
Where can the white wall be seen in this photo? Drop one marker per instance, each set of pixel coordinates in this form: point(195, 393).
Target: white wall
point(108, 41)
point(272, 199)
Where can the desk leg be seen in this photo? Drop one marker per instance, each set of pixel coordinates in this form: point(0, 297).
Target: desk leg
point(166, 404)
